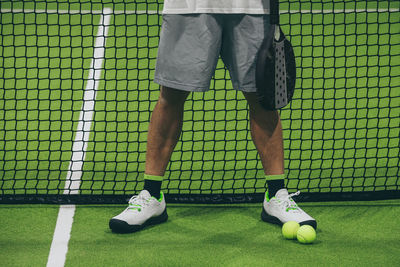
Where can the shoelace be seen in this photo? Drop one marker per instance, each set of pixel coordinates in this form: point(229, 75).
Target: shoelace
point(289, 203)
point(137, 202)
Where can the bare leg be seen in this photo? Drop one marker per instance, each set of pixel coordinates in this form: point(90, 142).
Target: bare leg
point(164, 129)
point(266, 131)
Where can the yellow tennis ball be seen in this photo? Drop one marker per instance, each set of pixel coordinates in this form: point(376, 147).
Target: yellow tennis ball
point(306, 234)
point(289, 229)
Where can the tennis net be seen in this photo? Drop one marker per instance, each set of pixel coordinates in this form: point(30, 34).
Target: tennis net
point(76, 95)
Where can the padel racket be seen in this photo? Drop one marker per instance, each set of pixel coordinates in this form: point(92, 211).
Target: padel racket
point(276, 66)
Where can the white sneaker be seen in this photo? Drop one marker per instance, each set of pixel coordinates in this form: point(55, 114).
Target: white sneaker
point(143, 210)
point(281, 208)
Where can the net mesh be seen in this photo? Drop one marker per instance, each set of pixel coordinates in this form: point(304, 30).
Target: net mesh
point(76, 95)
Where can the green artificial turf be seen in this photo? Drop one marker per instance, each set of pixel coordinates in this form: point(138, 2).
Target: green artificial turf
point(26, 232)
point(349, 234)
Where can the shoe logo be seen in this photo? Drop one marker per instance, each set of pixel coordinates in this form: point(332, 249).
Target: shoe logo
point(135, 207)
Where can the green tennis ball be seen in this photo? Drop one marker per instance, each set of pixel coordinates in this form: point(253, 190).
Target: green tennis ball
point(289, 229)
point(306, 234)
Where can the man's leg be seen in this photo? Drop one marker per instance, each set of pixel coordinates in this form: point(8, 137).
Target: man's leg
point(164, 130)
point(163, 134)
point(266, 131)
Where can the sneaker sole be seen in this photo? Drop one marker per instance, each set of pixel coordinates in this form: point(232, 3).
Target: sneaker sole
point(272, 219)
point(122, 227)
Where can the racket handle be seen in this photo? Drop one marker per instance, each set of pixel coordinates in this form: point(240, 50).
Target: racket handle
point(274, 11)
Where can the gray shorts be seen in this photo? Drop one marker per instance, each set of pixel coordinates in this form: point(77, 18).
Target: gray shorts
point(190, 46)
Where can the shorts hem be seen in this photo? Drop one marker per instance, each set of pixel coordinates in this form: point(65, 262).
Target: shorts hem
point(247, 90)
point(180, 86)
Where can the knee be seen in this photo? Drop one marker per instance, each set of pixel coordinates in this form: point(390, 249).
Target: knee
point(256, 110)
point(170, 96)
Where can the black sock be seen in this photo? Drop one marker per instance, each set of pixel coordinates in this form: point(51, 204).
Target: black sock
point(154, 187)
point(274, 186)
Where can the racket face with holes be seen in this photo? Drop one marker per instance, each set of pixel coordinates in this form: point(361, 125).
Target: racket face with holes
point(275, 72)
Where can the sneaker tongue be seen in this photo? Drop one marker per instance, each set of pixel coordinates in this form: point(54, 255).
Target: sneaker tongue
point(144, 194)
point(282, 193)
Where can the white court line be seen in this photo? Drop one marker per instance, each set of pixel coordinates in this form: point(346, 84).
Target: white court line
point(62, 233)
point(59, 245)
point(79, 147)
